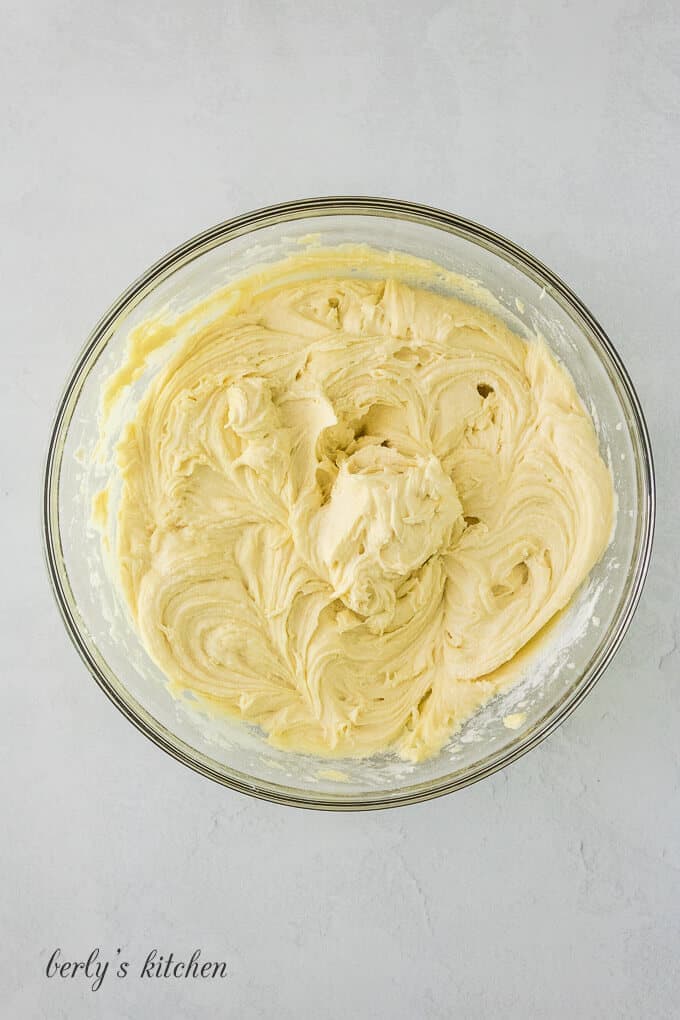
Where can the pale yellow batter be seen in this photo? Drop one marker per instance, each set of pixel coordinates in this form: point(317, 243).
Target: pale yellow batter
point(347, 503)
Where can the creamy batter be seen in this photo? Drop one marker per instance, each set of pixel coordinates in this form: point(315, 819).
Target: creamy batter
point(348, 503)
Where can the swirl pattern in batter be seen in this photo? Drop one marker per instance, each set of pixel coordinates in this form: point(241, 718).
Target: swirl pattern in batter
point(347, 503)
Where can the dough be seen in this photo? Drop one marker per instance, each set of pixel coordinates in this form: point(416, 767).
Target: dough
point(347, 503)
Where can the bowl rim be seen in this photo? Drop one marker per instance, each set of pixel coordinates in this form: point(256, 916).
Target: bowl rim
point(223, 233)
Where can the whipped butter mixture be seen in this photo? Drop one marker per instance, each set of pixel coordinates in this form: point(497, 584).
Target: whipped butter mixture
point(348, 503)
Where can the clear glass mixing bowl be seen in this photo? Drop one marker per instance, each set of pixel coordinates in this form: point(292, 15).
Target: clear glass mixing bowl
point(573, 654)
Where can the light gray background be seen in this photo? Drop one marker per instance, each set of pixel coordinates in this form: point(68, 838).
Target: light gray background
point(550, 890)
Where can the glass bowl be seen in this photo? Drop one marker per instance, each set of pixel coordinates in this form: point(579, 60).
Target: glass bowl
point(573, 653)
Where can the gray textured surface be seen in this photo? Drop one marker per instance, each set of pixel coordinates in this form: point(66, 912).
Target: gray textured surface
point(551, 890)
